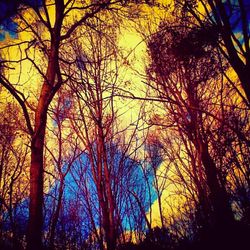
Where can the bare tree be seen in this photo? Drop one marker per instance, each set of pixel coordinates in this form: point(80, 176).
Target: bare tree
point(110, 150)
point(48, 38)
point(63, 156)
point(183, 79)
point(13, 164)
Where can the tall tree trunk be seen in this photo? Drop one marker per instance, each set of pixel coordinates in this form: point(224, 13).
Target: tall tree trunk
point(34, 234)
point(34, 237)
point(223, 214)
point(158, 192)
point(56, 215)
point(240, 67)
point(111, 242)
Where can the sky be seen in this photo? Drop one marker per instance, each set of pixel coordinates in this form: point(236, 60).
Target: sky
point(8, 10)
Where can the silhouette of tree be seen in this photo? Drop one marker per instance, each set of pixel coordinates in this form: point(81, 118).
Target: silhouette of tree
point(13, 164)
point(184, 80)
point(108, 148)
point(48, 38)
point(226, 24)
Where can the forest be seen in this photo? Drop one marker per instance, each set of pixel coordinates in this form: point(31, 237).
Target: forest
point(124, 124)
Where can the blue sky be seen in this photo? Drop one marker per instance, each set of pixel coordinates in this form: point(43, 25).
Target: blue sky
point(7, 11)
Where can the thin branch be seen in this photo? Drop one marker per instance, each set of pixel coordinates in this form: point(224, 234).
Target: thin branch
point(14, 93)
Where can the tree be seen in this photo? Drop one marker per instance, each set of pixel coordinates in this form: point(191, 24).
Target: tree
point(48, 39)
point(13, 164)
point(227, 23)
point(63, 155)
point(93, 84)
point(154, 150)
point(182, 78)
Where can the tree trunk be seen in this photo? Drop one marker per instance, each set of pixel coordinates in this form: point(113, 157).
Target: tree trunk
point(34, 237)
point(223, 215)
point(56, 215)
point(241, 68)
point(243, 75)
point(111, 241)
point(34, 234)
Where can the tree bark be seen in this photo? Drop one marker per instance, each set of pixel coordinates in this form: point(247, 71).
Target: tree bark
point(223, 214)
point(56, 215)
point(34, 237)
point(34, 234)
